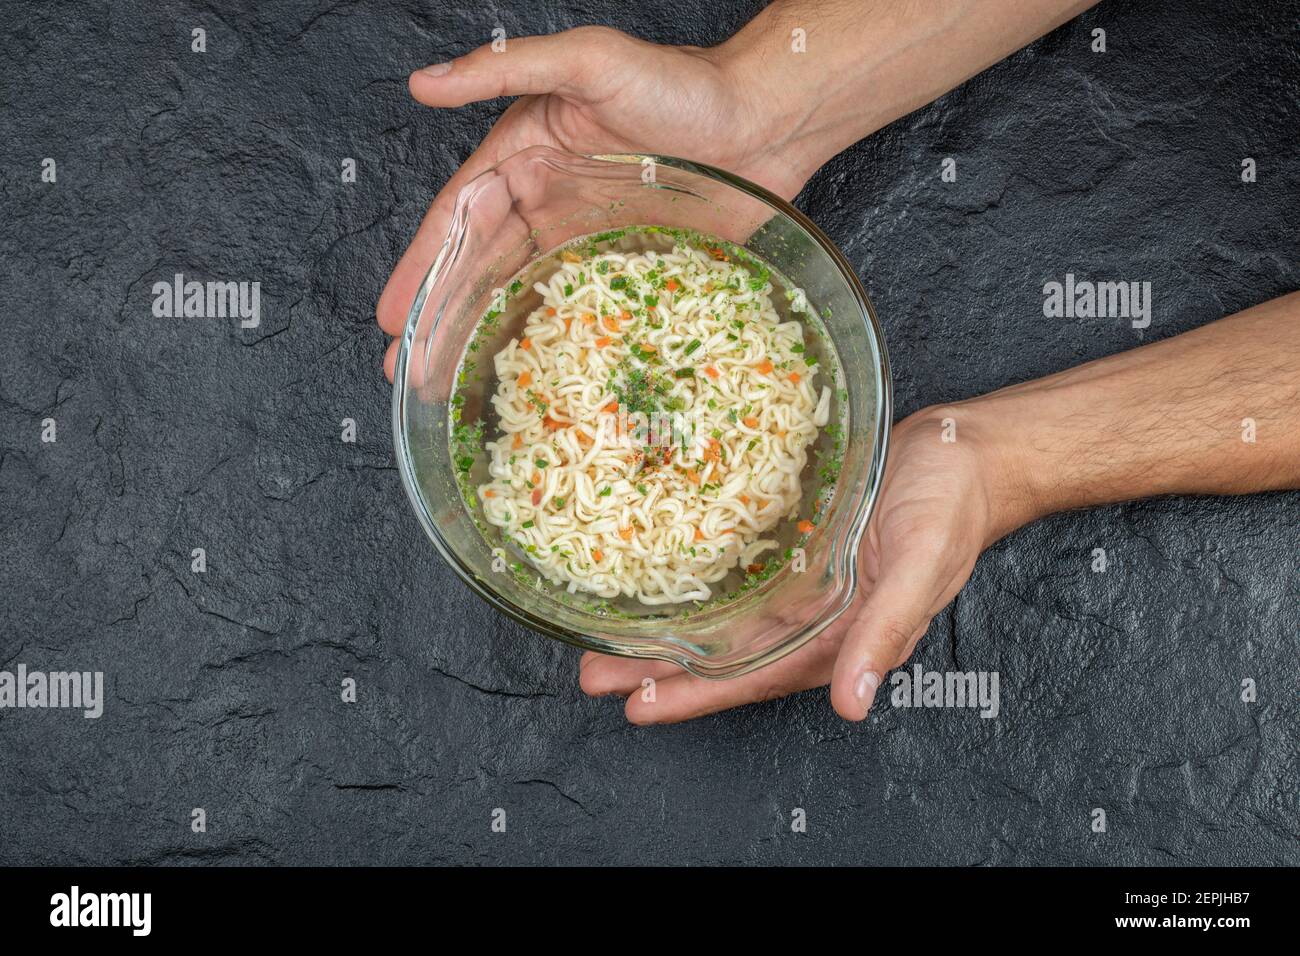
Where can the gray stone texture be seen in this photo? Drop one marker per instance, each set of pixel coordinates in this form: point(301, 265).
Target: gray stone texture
point(1119, 690)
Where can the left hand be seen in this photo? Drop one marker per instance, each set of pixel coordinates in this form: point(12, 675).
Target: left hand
point(937, 512)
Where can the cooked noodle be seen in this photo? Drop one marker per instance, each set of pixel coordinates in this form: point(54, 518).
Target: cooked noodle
point(587, 477)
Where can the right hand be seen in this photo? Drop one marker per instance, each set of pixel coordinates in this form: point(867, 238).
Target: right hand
point(592, 90)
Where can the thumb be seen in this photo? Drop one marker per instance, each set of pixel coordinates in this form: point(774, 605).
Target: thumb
point(561, 63)
point(890, 623)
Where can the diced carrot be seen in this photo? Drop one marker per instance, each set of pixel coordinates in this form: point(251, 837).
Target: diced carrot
point(611, 323)
point(537, 477)
point(710, 371)
point(550, 424)
point(715, 450)
point(567, 322)
point(611, 407)
point(537, 497)
point(805, 526)
point(795, 377)
point(693, 477)
point(754, 569)
point(584, 438)
point(699, 535)
point(750, 421)
point(764, 367)
point(518, 441)
point(525, 379)
point(603, 341)
point(744, 499)
point(588, 319)
point(525, 343)
point(489, 493)
point(626, 533)
point(550, 311)
point(625, 315)
point(671, 285)
point(597, 555)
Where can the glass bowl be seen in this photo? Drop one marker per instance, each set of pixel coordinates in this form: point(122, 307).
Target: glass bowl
point(520, 211)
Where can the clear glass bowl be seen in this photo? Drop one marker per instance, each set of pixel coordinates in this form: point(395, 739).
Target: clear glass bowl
point(523, 209)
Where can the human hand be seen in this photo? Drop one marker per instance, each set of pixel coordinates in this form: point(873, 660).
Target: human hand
point(591, 90)
point(1166, 418)
point(940, 506)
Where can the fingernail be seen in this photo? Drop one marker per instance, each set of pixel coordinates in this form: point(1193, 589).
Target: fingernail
point(437, 69)
point(866, 689)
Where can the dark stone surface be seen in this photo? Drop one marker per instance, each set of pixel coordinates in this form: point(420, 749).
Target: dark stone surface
point(1119, 690)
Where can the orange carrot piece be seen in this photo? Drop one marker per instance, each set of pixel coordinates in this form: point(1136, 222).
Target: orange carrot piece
point(518, 441)
point(795, 377)
point(489, 493)
point(805, 526)
point(550, 311)
point(525, 379)
point(750, 421)
point(597, 555)
point(611, 407)
point(710, 371)
point(626, 533)
point(525, 343)
point(537, 497)
point(699, 535)
point(764, 367)
point(671, 285)
point(603, 341)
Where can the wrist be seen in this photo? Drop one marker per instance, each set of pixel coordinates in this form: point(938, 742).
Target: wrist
point(988, 442)
point(772, 111)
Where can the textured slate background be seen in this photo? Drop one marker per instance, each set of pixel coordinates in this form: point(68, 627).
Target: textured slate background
point(1119, 690)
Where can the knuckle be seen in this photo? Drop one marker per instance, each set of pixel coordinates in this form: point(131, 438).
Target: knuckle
point(896, 633)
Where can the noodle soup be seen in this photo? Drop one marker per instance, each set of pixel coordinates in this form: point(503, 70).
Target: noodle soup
point(656, 431)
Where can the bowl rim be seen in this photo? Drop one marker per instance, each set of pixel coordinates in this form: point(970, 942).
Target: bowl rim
point(665, 649)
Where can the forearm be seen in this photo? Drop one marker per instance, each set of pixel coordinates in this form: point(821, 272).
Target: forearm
point(1213, 411)
point(867, 63)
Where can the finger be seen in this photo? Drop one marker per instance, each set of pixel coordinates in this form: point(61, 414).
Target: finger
point(686, 696)
point(890, 623)
point(390, 359)
point(395, 301)
point(561, 63)
point(601, 674)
